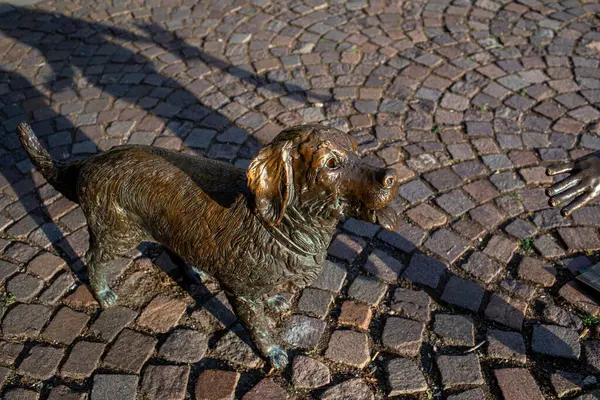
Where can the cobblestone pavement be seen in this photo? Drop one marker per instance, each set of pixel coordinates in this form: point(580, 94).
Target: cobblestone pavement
point(473, 297)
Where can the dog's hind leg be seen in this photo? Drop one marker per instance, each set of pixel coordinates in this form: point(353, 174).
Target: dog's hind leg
point(252, 314)
point(96, 261)
point(103, 249)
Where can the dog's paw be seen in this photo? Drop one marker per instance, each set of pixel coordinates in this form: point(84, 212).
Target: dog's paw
point(278, 303)
point(278, 357)
point(107, 298)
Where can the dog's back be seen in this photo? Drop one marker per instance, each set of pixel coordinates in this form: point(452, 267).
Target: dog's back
point(134, 193)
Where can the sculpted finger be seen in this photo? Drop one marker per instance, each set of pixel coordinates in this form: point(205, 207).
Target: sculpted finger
point(560, 168)
point(562, 186)
point(561, 198)
point(577, 204)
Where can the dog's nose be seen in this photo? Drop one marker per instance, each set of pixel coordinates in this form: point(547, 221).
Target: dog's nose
point(387, 177)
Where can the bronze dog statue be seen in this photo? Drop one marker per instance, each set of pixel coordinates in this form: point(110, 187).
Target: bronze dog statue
point(257, 231)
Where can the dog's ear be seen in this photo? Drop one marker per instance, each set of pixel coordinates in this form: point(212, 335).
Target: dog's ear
point(270, 180)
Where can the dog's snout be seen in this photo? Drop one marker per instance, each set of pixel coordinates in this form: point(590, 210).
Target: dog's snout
point(387, 177)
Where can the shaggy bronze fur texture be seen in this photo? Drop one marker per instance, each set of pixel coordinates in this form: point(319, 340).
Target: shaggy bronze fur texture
point(258, 232)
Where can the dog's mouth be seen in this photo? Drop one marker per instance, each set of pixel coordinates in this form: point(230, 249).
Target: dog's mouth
point(385, 217)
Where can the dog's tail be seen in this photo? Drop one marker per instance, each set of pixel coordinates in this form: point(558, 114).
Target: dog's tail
point(61, 175)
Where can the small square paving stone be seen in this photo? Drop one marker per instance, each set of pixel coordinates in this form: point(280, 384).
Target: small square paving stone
point(24, 287)
point(447, 245)
point(61, 285)
point(355, 314)
point(517, 384)
point(215, 384)
point(506, 181)
point(497, 162)
point(184, 345)
point(555, 341)
point(331, 278)
point(501, 248)
point(443, 179)
point(518, 289)
point(487, 215)
point(9, 352)
point(111, 387)
point(481, 190)
point(6, 270)
point(425, 270)
point(168, 382)
point(162, 314)
point(403, 336)
point(353, 389)
point(455, 330)
point(83, 359)
point(468, 228)
point(548, 247)
point(473, 394)
point(303, 332)
point(120, 128)
point(581, 297)
point(130, 351)
point(591, 348)
point(506, 346)
point(235, 347)
point(413, 304)
point(415, 191)
point(64, 393)
point(383, 266)
point(455, 203)
point(566, 383)
point(111, 321)
point(65, 326)
point(361, 228)
point(346, 247)
point(561, 316)
point(405, 239)
point(21, 394)
point(308, 373)
point(482, 267)
point(520, 229)
point(404, 377)
point(538, 271)
point(580, 238)
point(460, 370)
point(350, 348)
point(41, 362)
point(367, 290)
point(45, 265)
point(266, 389)
point(469, 169)
point(315, 302)
point(26, 320)
point(426, 216)
point(463, 293)
point(506, 310)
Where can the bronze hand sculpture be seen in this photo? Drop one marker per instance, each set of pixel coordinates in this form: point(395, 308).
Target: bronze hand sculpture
point(580, 188)
point(257, 231)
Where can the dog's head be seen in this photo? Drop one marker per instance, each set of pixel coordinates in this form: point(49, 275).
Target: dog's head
point(316, 168)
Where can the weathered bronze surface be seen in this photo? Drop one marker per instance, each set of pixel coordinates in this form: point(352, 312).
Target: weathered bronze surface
point(578, 189)
point(258, 232)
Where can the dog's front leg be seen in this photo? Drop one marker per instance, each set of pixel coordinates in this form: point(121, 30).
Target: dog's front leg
point(252, 313)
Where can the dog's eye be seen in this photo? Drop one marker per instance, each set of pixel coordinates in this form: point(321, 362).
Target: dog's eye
point(332, 163)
